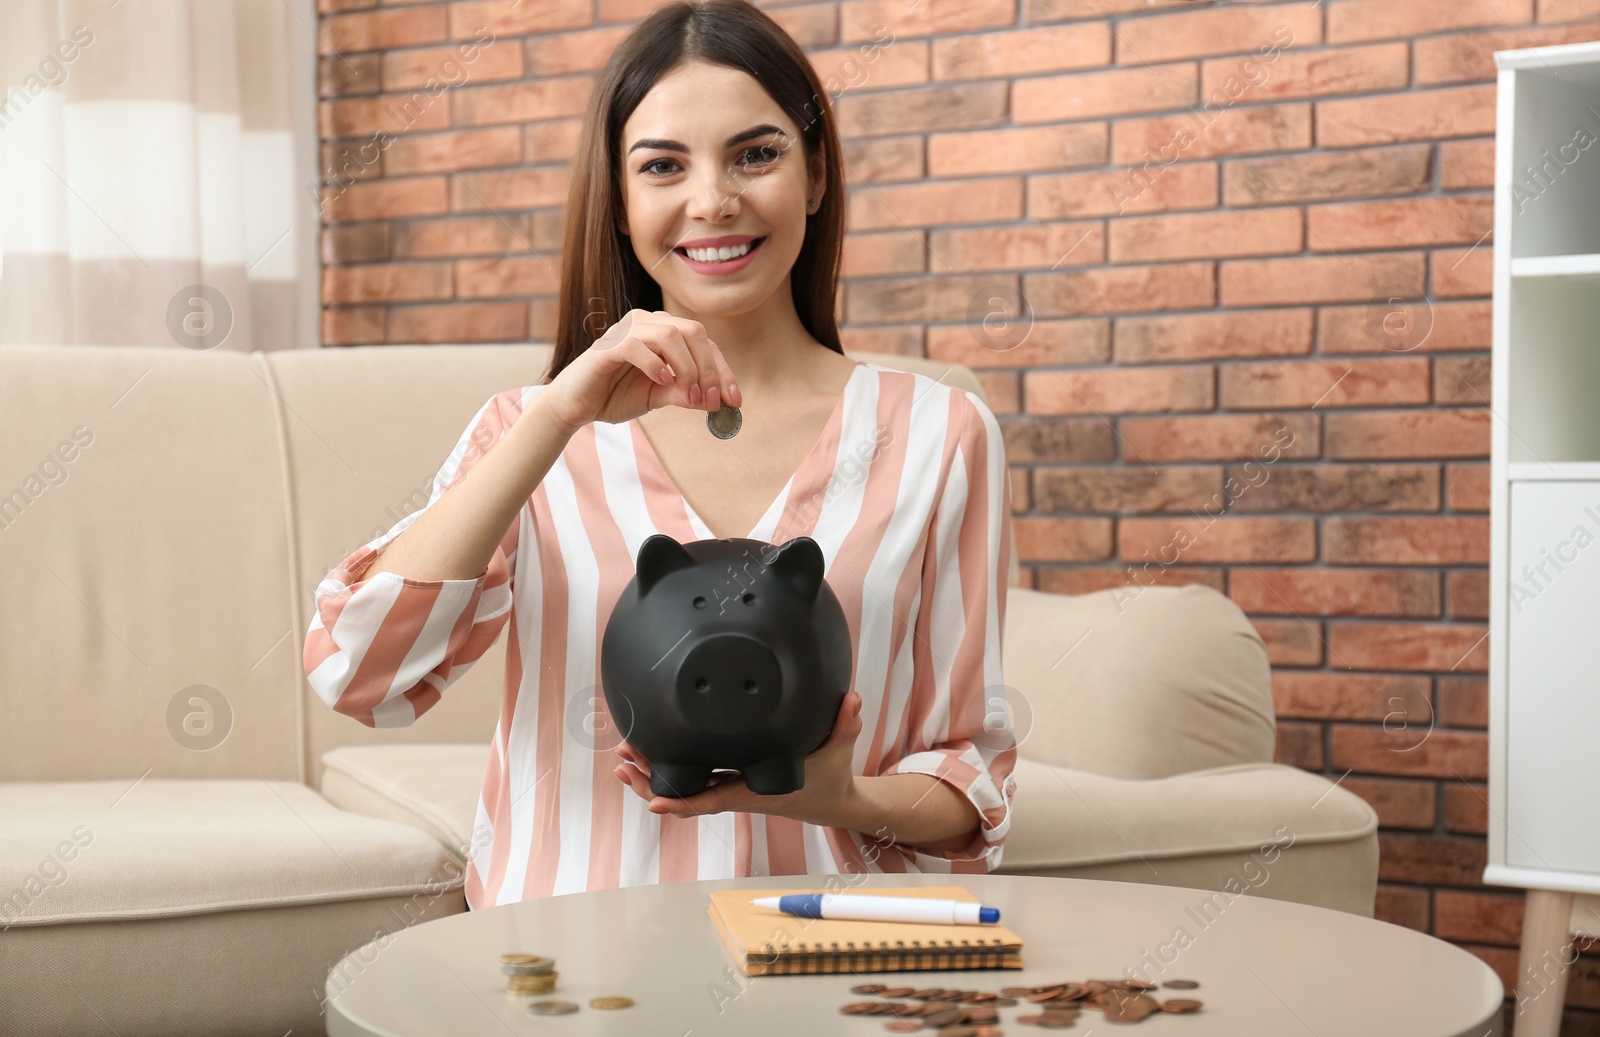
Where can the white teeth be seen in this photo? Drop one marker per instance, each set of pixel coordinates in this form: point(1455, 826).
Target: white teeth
point(718, 255)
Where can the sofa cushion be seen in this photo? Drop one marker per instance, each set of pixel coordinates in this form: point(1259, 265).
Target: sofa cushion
point(434, 788)
point(98, 850)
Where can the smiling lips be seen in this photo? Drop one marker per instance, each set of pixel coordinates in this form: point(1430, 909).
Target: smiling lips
point(722, 266)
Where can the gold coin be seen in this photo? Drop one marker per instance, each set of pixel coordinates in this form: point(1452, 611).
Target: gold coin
point(614, 1001)
point(524, 959)
point(1180, 1004)
point(552, 1007)
point(1181, 984)
point(725, 421)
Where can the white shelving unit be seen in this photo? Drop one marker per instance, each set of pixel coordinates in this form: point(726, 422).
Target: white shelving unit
point(1544, 558)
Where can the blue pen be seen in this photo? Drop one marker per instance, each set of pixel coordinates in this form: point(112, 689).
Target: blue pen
point(868, 908)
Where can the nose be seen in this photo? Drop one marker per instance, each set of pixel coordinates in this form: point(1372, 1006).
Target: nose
point(729, 683)
point(716, 195)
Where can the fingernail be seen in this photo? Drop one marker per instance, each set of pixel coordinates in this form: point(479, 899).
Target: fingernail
point(733, 391)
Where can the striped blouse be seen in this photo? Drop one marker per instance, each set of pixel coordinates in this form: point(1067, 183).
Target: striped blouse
point(908, 495)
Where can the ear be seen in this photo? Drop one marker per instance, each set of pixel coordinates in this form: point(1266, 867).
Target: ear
point(800, 563)
point(819, 175)
point(659, 556)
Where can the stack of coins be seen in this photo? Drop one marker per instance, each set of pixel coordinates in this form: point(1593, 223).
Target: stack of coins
point(1053, 1006)
point(528, 973)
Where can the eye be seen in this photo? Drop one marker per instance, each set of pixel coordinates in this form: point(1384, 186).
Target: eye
point(767, 153)
point(765, 149)
point(648, 167)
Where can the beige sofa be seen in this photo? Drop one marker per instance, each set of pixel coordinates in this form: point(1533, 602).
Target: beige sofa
point(190, 838)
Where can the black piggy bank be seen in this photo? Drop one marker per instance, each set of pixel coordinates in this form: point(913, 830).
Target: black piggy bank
point(731, 654)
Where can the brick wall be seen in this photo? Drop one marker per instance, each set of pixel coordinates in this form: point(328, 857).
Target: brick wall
point(1252, 244)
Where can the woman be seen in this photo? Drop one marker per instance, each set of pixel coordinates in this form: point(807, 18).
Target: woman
point(708, 125)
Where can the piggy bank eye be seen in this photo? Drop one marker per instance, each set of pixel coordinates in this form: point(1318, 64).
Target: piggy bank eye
point(748, 598)
point(699, 602)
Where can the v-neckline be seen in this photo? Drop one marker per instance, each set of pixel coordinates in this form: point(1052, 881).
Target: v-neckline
point(835, 417)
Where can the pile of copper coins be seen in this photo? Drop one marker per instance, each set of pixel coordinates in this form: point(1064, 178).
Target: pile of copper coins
point(1055, 1006)
point(533, 974)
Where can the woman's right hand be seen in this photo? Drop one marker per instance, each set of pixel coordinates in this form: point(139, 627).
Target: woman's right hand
point(623, 374)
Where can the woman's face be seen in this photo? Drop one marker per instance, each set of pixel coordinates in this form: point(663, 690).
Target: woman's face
point(708, 154)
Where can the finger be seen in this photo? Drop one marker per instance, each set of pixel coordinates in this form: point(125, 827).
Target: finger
point(714, 376)
point(671, 338)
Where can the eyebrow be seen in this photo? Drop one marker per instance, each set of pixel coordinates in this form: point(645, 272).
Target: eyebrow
point(673, 145)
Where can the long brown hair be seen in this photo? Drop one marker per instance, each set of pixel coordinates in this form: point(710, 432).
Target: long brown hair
point(601, 278)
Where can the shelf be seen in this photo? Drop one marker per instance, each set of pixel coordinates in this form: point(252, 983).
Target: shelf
point(1585, 265)
point(1555, 471)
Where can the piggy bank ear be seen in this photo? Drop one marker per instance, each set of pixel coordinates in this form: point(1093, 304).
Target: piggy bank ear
point(658, 556)
point(800, 563)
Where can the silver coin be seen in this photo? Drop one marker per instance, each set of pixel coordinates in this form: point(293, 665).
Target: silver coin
point(724, 422)
point(552, 1007)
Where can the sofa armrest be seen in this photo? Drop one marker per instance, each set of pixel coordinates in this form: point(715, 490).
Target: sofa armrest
point(1137, 682)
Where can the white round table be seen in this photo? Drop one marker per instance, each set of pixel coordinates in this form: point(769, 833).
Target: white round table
point(1264, 966)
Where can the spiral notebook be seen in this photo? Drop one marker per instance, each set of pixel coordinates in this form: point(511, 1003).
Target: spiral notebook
point(766, 942)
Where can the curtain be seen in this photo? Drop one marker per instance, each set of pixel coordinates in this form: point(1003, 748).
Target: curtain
point(148, 174)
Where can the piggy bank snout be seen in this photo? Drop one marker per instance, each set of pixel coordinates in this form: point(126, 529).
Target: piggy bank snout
point(729, 683)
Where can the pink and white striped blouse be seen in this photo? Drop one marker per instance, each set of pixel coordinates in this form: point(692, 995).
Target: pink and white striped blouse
point(907, 493)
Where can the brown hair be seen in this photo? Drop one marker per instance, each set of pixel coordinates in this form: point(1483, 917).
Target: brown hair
point(601, 278)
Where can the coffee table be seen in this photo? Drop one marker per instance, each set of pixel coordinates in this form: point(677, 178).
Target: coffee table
point(1264, 966)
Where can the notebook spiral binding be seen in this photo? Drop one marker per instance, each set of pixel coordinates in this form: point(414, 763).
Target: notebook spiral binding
point(933, 954)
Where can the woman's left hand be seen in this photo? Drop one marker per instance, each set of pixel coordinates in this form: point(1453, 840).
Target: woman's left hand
point(829, 787)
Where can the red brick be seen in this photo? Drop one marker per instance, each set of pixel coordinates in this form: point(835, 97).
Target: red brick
point(1002, 390)
point(628, 10)
point(1022, 52)
point(1049, 343)
point(383, 199)
point(1466, 56)
point(1479, 917)
point(1222, 30)
point(893, 252)
point(1128, 488)
point(1037, 12)
point(1466, 164)
point(382, 113)
point(1124, 289)
point(352, 325)
point(1340, 695)
point(381, 30)
point(1158, 188)
point(1030, 245)
point(386, 282)
point(1299, 744)
point(1565, 10)
point(897, 206)
point(355, 243)
point(1462, 379)
point(442, 152)
point(1464, 701)
point(1203, 336)
point(1326, 592)
point(1232, 131)
point(1400, 804)
point(1223, 437)
point(1317, 177)
point(1120, 390)
point(1079, 579)
point(1354, 20)
point(1452, 432)
point(511, 189)
point(460, 322)
point(553, 140)
point(884, 160)
point(1062, 539)
point(343, 75)
point(1347, 70)
point(1402, 747)
point(864, 19)
point(1257, 232)
point(453, 66)
point(1290, 642)
point(1112, 92)
point(1466, 808)
point(1397, 224)
point(1463, 111)
point(1197, 540)
point(1468, 593)
point(522, 101)
point(508, 276)
point(1413, 540)
point(871, 67)
point(1336, 487)
point(1467, 487)
point(1462, 272)
point(1409, 646)
point(469, 18)
point(902, 300)
point(460, 236)
point(1266, 282)
point(811, 25)
point(1430, 859)
point(903, 341)
point(1047, 148)
point(1315, 383)
point(1413, 323)
point(1402, 905)
point(953, 107)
